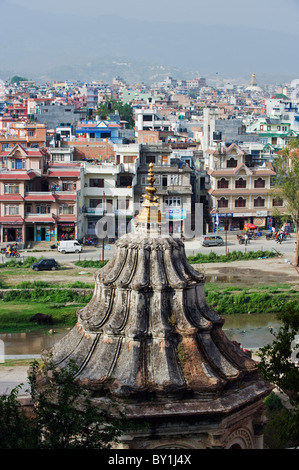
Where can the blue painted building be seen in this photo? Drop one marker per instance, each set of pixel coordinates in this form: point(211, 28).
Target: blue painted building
point(99, 130)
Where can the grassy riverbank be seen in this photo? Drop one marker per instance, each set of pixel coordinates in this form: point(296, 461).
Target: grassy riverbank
point(15, 316)
point(258, 299)
point(19, 305)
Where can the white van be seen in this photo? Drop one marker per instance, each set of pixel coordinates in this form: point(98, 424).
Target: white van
point(69, 246)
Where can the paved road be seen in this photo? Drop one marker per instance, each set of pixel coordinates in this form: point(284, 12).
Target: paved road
point(287, 248)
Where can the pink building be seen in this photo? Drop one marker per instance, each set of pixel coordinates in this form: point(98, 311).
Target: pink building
point(38, 202)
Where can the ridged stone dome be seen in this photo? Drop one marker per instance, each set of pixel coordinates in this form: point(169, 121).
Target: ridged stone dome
point(148, 331)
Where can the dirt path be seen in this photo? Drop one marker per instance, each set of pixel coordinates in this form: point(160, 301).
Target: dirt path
point(247, 272)
point(252, 272)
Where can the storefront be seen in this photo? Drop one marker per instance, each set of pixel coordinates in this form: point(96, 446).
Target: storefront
point(45, 233)
point(66, 231)
point(175, 218)
point(12, 234)
point(11, 230)
point(236, 221)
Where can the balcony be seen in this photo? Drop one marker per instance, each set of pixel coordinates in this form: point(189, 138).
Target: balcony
point(108, 192)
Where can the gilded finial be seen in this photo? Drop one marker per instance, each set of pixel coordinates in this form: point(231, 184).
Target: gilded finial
point(149, 212)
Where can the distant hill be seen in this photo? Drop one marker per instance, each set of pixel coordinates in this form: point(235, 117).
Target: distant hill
point(54, 46)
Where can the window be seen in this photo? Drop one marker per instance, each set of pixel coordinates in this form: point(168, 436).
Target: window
point(28, 208)
point(231, 163)
point(67, 186)
point(4, 146)
point(43, 208)
point(284, 128)
point(268, 128)
point(240, 202)
point(109, 206)
point(240, 183)
point(143, 180)
point(174, 179)
point(150, 159)
point(277, 202)
point(18, 164)
point(259, 183)
point(11, 210)
point(174, 201)
point(222, 202)
point(93, 203)
point(158, 180)
point(129, 158)
point(66, 209)
point(11, 188)
point(30, 133)
point(259, 202)
point(57, 157)
point(96, 183)
point(222, 184)
point(164, 160)
point(122, 204)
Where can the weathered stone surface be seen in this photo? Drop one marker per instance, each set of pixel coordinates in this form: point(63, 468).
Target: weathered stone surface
point(148, 330)
point(148, 339)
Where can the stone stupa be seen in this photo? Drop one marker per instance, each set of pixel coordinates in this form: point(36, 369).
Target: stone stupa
point(148, 339)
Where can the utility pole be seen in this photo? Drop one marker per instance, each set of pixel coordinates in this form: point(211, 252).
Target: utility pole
point(103, 242)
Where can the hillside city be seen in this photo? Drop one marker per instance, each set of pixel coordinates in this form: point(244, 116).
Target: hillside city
point(129, 163)
point(73, 152)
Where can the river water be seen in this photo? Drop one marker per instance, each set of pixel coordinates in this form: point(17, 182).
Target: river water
point(251, 331)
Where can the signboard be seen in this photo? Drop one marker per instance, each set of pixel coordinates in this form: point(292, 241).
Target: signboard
point(229, 214)
point(175, 214)
point(261, 213)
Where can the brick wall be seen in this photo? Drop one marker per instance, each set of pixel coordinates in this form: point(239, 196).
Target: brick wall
point(92, 150)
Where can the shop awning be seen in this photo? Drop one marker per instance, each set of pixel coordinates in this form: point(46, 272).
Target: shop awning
point(11, 220)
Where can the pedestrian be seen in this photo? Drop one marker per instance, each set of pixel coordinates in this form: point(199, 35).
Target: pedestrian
point(277, 236)
point(246, 238)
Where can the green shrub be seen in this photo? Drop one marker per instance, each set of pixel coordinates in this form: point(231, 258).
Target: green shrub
point(46, 295)
point(91, 263)
point(212, 257)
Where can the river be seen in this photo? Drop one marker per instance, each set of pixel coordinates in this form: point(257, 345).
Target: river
point(252, 331)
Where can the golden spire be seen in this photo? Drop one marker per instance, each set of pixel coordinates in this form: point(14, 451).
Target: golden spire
point(150, 212)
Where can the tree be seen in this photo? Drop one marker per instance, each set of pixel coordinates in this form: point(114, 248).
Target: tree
point(110, 106)
point(64, 416)
point(287, 185)
point(17, 79)
point(279, 366)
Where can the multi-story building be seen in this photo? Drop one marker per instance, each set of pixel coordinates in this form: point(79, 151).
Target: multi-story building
point(240, 191)
point(27, 134)
point(98, 130)
point(173, 183)
point(109, 191)
point(275, 132)
point(38, 201)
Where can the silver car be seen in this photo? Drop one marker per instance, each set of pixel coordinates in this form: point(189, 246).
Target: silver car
point(212, 240)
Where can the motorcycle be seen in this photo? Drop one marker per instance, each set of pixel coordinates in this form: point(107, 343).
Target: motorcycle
point(91, 242)
point(13, 253)
point(241, 239)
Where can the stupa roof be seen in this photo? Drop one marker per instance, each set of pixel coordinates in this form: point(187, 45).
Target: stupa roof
point(148, 331)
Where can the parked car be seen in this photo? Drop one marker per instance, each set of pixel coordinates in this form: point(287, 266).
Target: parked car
point(45, 265)
point(212, 240)
point(69, 246)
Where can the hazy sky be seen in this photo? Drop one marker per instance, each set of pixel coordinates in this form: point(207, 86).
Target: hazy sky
point(266, 14)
